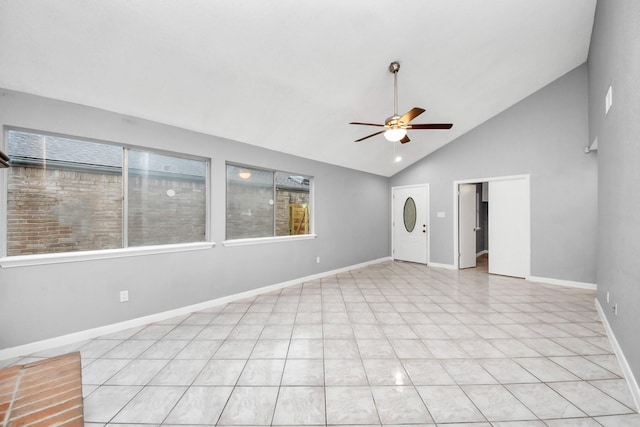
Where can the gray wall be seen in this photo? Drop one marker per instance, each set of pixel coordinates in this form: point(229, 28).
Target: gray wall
point(614, 59)
point(544, 135)
point(46, 301)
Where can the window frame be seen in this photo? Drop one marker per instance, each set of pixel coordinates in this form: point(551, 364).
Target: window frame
point(271, 239)
point(7, 261)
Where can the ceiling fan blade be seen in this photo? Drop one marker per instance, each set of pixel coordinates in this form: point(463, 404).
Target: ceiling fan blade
point(405, 139)
point(411, 114)
point(365, 124)
point(369, 136)
point(431, 126)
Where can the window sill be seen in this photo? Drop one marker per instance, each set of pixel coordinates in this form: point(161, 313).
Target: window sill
point(260, 240)
point(30, 260)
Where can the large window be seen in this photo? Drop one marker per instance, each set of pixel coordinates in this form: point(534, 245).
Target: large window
point(265, 203)
point(69, 195)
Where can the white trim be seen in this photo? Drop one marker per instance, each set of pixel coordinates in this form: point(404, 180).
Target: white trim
point(29, 260)
point(274, 239)
point(426, 184)
point(124, 209)
point(456, 183)
point(4, 185)
point(626, 369)
point(560, 282)
point(481, 253)
point(26, 349)
point(445, 266)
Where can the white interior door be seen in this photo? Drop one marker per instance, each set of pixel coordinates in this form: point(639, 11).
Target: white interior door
point(467, 225)
point(509, 229)
point(410, 216)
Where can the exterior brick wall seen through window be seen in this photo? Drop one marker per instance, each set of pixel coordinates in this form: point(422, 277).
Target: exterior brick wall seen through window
point(53, 210)
point(259, 201)
point(66, 195)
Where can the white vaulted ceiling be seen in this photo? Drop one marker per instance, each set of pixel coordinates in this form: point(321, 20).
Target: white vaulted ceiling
point(289, 74)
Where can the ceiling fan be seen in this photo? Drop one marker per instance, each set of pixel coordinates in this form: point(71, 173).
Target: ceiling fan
point(396, 126)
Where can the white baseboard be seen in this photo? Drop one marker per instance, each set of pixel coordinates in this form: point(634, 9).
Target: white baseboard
point(438, 265)
point(626, 369)
point(34, 347)
point(559, 282)
point(482, 253)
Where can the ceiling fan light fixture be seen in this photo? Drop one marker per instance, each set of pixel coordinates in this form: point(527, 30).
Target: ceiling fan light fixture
point(395, 134)
point(396, 125)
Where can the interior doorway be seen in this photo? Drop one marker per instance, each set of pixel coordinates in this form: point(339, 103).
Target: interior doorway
point(493, 223)
point(473, 223)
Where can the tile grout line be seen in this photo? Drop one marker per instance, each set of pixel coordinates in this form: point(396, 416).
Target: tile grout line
point(393, 285)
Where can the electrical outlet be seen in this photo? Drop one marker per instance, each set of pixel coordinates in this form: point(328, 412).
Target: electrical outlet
point(607, 297)
point(318, 260)
point(124, 296)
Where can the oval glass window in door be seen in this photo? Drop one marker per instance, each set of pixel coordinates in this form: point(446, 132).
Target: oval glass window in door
point(409, 214)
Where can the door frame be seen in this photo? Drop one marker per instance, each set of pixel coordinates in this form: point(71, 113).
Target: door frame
point(456, 183)
point(393, 240)
point(472, 260)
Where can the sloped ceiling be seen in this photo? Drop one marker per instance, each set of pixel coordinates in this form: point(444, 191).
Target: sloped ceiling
point(288, 74)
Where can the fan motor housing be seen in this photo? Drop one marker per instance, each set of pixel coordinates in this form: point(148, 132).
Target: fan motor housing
point(393, 121)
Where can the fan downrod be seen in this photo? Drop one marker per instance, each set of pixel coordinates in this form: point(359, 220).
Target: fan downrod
point(398, 122)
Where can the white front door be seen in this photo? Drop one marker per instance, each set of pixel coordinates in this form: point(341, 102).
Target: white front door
point(410, 223)
point(467, 225)
point(509, 227)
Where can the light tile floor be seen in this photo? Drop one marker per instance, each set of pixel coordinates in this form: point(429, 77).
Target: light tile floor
point(391, 344)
